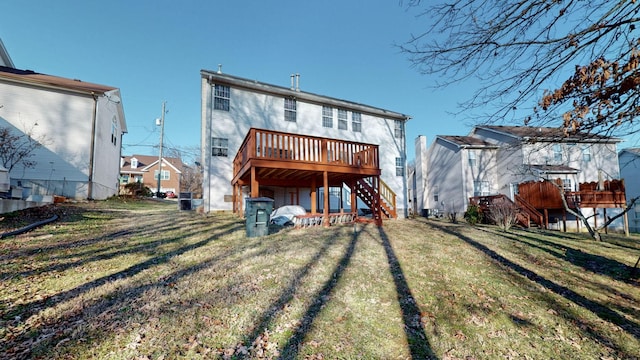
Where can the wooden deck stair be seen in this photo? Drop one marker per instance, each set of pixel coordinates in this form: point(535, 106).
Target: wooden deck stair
point(385, 201)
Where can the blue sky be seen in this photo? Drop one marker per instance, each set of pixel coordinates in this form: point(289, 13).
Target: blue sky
point(154, 51)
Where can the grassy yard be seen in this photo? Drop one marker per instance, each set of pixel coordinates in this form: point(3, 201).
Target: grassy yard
point(140, 280)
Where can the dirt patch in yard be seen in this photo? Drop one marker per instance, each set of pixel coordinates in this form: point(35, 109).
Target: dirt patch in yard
point(18, 219)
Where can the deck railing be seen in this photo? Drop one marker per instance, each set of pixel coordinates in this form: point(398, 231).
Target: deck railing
point(274, 145)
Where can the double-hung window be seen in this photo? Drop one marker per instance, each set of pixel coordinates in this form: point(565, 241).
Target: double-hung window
point(290, 111)
point(219, 147)
point(472, 158)
point(327, 116)
point(399, 166)
point(586, 153)
point(165, 175)
point(481, 188)
point(342, 119)
point(398, 129)
point(356, 122)
point(557, 153)
point(221, 97)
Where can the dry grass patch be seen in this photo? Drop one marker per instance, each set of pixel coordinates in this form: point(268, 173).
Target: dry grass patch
point(141, 280)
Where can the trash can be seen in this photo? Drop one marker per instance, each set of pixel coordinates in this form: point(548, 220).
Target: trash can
point(184, 201)
point(257, 215)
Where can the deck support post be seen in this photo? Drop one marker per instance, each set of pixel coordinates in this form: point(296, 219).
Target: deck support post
point(255, 185)
point(314, 197)
point(325, 210)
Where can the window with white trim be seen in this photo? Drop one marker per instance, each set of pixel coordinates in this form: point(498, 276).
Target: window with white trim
point(356, 122)
point(586, 153)
point(290, 112)
point(557, 153)
point(165, 175)
point(219, 147)
point(567, 185)
point(472, 158)
point(399, 167)
point(436, 193)
point(327, 116)
point(398, 129)
point(342, 119)
point(481, 188)
point(221, 97)
point(114, 131)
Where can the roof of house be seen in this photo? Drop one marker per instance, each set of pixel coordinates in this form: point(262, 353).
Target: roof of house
point(546, 134)
point(467, 141)
point(146, 161)
point(634, 151)
point(31, 77)
point(225, 79)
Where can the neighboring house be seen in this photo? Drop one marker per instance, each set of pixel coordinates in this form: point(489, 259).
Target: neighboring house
point(5, 60)
point(80, 126)
point(496, 159)
point(231, 106)
point(629, 160)
point(144, 169)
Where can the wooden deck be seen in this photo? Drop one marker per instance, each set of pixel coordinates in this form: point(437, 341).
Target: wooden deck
point(272, 158)
point(537, 199)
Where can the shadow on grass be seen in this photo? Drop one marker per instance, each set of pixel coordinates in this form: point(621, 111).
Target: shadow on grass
point(603, 312)
point(29, 308)
point(419, 346)
point(595, 263)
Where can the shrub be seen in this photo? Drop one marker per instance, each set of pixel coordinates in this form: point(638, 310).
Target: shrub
point(473, 215)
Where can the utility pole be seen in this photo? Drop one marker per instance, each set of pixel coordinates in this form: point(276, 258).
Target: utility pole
point(160, 156)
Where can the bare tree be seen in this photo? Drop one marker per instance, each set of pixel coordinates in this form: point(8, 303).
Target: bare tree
point(18, 148)
point(503, 212)
point(520, 50)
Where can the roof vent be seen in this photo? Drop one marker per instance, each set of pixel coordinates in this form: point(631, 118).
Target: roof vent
point(219, 68)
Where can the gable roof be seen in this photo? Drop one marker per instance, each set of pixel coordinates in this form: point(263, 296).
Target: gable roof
point(532, 133)
point(43, 80)
point(467, 142)
point(147, 161)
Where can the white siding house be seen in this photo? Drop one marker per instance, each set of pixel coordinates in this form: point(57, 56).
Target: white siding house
point(629, 160)
point(80, 127)
point(232, 105)
point(493, 160)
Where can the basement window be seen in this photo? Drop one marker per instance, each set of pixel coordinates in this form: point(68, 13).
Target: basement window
point(219, 147)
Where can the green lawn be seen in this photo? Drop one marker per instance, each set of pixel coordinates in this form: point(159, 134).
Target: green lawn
point(141, 280)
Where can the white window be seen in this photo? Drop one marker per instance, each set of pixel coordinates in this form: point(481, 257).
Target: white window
point(481, 188)
point(356, 122)
point(342, 119)
point(436, 193)
point(566, 185)
point(114, 131)
point(399, 167)
point(165, 175)
point(472, 158)
point(327, 116)
point(586, 153)
point(219, 147)
point(557, 153)
point(221, 97)
point(290, 110)
point(134, 163)
point(398, 129)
